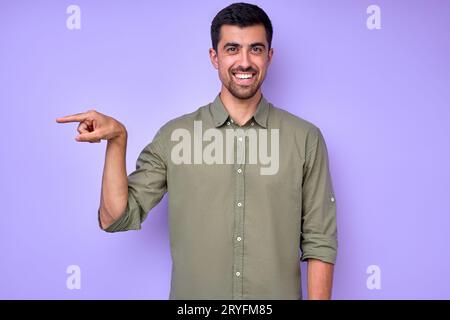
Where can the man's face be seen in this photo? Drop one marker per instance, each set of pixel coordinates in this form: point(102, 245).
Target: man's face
point(242, 59)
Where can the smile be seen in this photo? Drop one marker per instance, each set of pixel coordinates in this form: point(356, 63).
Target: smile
point(243, 75)
point(244, 78)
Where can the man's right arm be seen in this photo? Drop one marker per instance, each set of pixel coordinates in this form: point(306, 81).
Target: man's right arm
point(94, 127)
point(125, 200)
point(114, 193)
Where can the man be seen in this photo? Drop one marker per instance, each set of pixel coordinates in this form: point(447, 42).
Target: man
point(238, 216)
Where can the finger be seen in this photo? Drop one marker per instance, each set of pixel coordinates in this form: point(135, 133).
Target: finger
point(83, 128)
point(73, 118)
point(88, 137)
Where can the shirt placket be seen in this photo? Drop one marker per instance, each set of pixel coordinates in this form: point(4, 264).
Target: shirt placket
point(239, 213)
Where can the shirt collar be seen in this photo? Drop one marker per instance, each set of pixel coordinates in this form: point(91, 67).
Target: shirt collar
point(220, 114)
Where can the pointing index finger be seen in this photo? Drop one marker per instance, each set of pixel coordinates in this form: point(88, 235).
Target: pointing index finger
point(78, 117)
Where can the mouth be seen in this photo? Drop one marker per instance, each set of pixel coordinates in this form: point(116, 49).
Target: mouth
point(244, 78)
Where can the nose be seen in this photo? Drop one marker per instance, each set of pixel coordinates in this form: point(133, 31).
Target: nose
point(245, 61)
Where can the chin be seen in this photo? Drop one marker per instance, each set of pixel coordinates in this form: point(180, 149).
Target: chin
point(243, 95)
point(240, 93)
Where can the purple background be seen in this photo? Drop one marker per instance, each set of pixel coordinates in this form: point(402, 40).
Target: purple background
point(380, 97)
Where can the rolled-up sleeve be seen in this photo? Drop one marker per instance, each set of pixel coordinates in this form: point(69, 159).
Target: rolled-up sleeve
point(319, 228)
point(146, 187)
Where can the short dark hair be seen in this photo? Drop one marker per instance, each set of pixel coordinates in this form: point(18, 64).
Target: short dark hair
point(243, 15)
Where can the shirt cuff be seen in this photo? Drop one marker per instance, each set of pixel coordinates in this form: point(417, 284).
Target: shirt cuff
point(129, 220)
point(318, 246)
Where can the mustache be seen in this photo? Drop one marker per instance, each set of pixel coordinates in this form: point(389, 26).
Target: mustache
point(249, 69)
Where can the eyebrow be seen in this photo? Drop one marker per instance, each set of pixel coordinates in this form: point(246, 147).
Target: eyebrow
point(235, 44)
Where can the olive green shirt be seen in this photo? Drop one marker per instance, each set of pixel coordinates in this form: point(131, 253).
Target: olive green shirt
point(236, 233)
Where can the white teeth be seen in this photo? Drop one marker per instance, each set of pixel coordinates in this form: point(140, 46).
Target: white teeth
point(243, 75)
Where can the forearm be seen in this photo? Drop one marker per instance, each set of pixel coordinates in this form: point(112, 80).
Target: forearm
point(320, 279)
point(114, 194)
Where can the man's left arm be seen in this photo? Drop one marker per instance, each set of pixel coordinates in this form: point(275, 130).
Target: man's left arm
point(319, 228)
point(320, 279)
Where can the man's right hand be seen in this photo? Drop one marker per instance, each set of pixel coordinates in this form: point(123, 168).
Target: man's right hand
point(95, 126)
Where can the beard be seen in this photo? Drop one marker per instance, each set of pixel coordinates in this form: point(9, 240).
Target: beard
point(242, 92)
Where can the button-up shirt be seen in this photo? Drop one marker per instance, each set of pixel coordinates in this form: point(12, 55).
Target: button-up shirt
point(238, 225)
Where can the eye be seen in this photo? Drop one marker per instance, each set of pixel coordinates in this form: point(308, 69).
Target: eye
point(231, 49)
point(257, 49)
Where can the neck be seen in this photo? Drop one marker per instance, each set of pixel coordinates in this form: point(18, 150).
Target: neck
point(240, 110)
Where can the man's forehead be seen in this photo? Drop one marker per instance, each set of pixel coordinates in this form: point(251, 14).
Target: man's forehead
point(243, 35)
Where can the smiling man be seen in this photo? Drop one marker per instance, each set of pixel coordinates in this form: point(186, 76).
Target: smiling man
point(236, 231)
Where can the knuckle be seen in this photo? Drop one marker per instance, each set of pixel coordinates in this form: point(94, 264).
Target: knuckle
point(92, 113)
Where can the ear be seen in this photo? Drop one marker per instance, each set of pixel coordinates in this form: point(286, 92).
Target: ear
point(269, 56)
point(213, 57)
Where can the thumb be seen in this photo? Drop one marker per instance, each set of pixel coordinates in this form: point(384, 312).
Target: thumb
point(87, 137)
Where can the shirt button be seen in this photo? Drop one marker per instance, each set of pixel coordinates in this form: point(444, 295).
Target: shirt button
point(238, 238)
point(239, 204)
point(332, 199)
point(228, 123)
point(239, 170)
point(240, 139)
point(252, 124)
point(238, 274)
